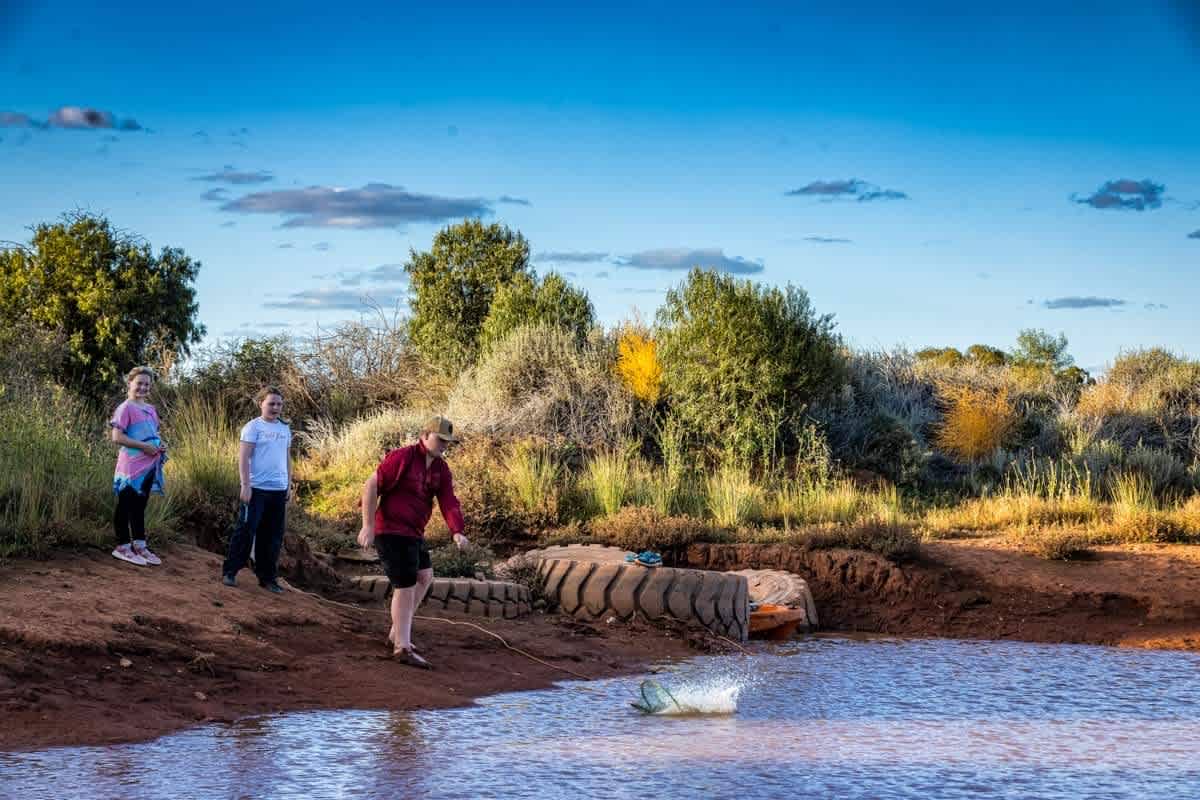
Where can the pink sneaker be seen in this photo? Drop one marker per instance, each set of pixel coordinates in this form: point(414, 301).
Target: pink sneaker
point(125, 553)
point(146, 555)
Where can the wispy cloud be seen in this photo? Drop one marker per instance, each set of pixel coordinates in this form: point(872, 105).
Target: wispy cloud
point(514, 201)
point(334, 299)
point(826, 240)
point(322, 247)
point(13, 119)
point(73, 118)
point(849, 189)
point(1125, 195)
point(257, 329)
point(375, 205)
point(682, 258)
point(286, 246)
point(1155, 307)
point(382, 274)
point(570, 256)
point(1084, 302)
point(218, 194)
point(231, 175)
point(1194, 235)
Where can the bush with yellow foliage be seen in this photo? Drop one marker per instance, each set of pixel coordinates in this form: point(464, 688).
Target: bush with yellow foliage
point(976, 422)
point(638, 365)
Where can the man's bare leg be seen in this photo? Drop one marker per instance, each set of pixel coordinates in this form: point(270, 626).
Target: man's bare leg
point(401, 633)
point(424, 581)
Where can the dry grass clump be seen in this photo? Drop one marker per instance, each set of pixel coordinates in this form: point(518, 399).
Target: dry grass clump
point(640, 528)
point(539, 381)
point(608, 480)
point(203, 452)
point(1138, 515)
point(886, 534)
point(55, 476)
point(840, 501)
point(976, 423)
point(365, 440)
point(339, 458)
point(1149, 396)
point(525, 570)
point(532, 475)
point(1010, 510)
point(733, 497)
point(1055, 543)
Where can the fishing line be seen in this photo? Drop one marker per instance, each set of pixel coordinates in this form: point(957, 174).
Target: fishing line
point(480, 628)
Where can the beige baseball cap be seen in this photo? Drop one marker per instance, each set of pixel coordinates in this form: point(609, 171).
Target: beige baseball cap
point(443, 427)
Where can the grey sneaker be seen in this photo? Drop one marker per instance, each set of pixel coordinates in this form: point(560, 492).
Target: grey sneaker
point(229, 580)
point(272, 587)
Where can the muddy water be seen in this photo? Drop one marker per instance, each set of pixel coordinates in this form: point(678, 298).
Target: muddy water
point(814, 718)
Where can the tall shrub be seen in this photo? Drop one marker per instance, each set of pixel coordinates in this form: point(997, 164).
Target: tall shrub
point(742, 360)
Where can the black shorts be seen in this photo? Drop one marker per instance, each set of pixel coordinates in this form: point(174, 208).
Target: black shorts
point(402, 557)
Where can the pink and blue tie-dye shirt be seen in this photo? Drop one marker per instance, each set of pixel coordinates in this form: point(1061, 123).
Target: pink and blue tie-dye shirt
point(138, 422)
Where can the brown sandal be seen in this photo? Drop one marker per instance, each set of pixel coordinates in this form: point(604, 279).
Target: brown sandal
point(409, 656)
point(412, 647)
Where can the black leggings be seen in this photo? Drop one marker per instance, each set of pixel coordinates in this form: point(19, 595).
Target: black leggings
point(130, 516)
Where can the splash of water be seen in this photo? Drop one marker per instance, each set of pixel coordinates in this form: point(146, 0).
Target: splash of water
point(706, 697)
point(708, 694)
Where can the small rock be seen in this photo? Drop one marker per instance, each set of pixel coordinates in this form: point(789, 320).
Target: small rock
point(125, 662)
point(218, 603)
point(200, 695)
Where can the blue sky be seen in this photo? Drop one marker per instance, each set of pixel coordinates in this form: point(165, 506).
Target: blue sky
point(931, 175)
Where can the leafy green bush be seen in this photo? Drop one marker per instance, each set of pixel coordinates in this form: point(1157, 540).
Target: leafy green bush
point(741, 361)
point(526, 301)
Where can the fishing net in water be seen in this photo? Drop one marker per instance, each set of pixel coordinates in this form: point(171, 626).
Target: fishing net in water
point(655, 698)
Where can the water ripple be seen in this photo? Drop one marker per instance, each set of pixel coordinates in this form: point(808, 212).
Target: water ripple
point(823, 717)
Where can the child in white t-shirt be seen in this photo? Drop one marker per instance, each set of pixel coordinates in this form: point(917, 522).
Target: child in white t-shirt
point(265, 471)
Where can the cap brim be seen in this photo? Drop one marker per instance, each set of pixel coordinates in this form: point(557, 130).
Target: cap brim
point(446, 438)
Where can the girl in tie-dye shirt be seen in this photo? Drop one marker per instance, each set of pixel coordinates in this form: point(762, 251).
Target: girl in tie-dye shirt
point(139, 467)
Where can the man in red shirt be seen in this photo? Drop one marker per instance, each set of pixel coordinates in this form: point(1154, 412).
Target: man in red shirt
point(396, 504)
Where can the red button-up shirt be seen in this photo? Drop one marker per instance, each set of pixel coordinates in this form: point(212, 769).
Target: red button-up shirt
point(407, 489)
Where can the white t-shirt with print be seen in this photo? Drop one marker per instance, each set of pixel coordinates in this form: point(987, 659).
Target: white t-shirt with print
point(269, 461)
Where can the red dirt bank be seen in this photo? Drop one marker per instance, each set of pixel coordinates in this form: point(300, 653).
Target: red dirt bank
point(198, 651)
point(1140, 596)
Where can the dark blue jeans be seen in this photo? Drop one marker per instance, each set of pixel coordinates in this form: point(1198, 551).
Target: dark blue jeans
point(260, 525)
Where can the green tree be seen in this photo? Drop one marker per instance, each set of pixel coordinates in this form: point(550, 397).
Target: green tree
point(741, 361)
point(987, 356)
point(103, 291)
point(1038, 350)
point(530, 301)
point(942, 356)
point(453, 286)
